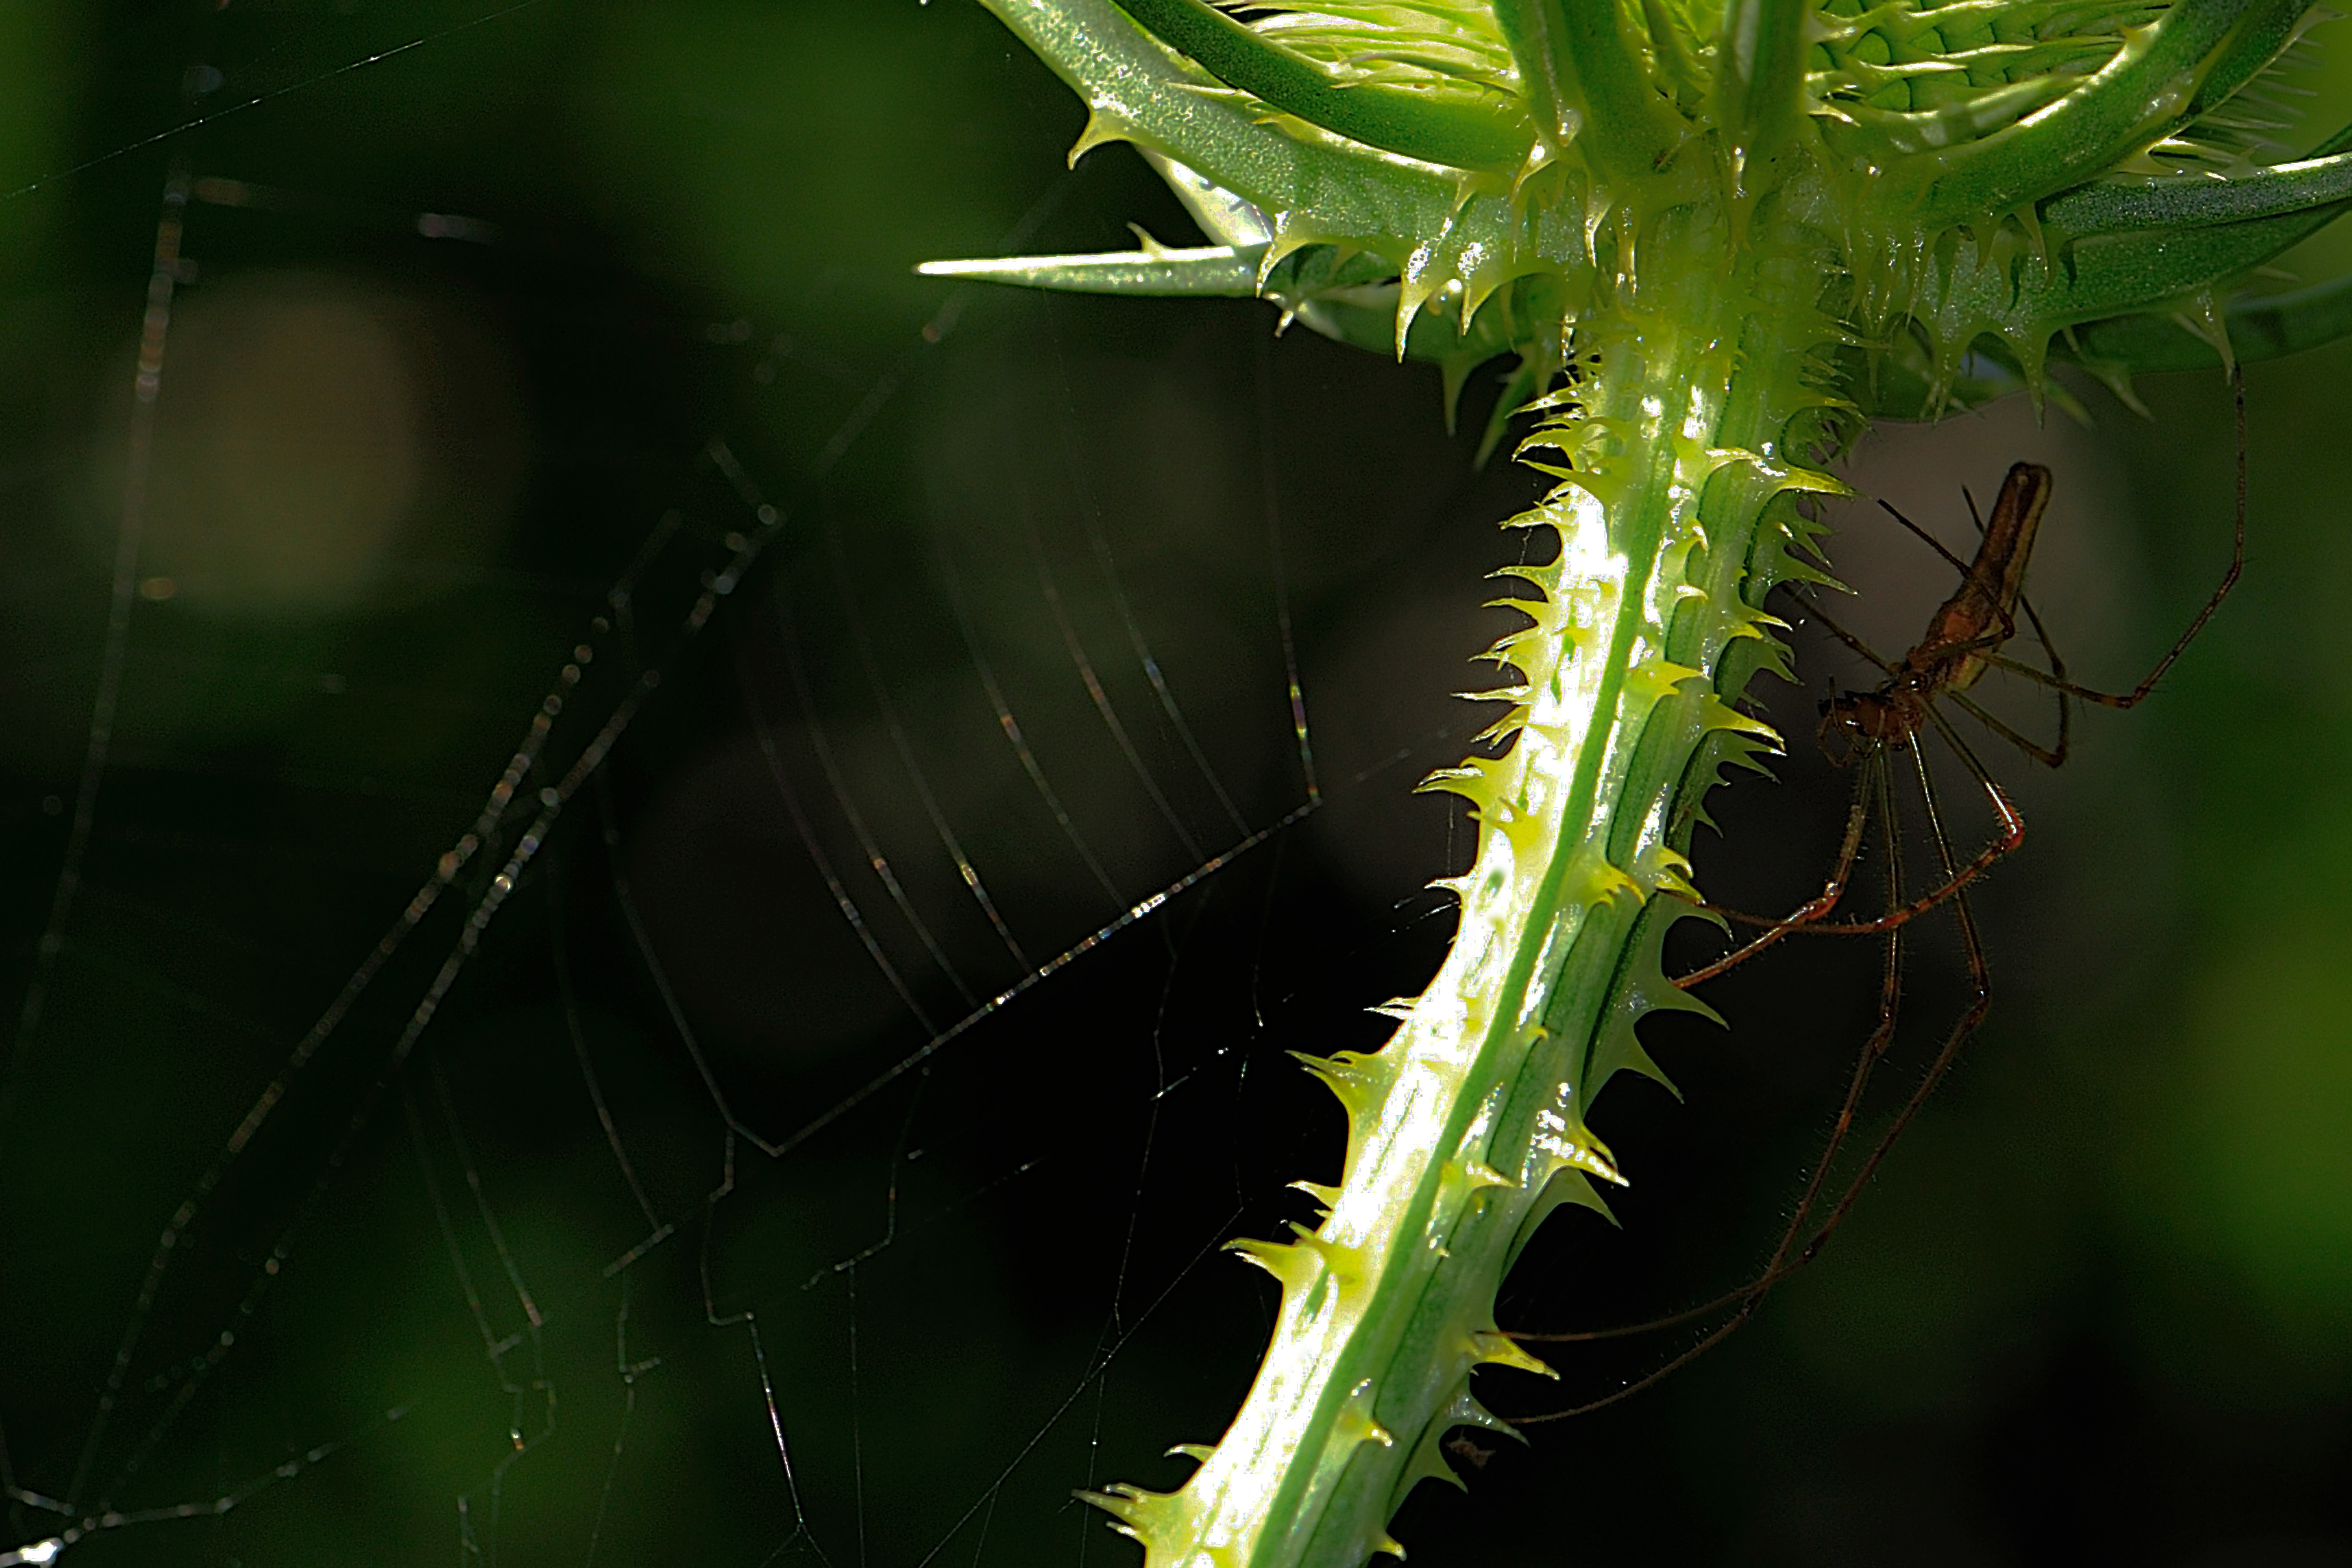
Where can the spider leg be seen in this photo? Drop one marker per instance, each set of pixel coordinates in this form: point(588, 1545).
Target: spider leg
point(1813, 909)
point(2055, 677)
point(1749, 1297)
point(2040, 753)
point(1980, 1003)
point(2010, 835)
point(1814, 609)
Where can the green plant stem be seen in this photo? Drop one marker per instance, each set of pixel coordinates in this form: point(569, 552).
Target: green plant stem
point(1469, 1125)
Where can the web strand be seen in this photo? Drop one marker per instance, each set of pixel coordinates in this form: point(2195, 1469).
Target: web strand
point(1270, 490)
point(197, 122)
point(1049, 589)
point(122, 593)
point(1090, 511)
point(1014, 736)
point(846, 591)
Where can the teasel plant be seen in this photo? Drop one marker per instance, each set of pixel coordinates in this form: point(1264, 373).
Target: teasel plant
point(1711, 241)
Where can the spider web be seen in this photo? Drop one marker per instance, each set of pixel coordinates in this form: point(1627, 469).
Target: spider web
point(727, 1022)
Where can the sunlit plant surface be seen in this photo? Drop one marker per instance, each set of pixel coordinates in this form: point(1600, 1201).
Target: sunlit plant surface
point(1716, 240)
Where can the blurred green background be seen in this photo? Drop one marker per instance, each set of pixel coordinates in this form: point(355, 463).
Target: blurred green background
point(575, 1234)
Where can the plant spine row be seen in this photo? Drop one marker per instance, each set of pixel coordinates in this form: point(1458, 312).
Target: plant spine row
point(1672, 518)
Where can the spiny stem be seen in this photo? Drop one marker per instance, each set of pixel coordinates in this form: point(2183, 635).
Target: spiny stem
point(1469, 1125)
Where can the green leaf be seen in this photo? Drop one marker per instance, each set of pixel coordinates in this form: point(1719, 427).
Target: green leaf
point(2251, 47)
point(1137, 91)
point(1492, 136)
point(2191, 201)
point(2265, 327)
point(2115, 274)
point(2026, 298)
point(2196, 54)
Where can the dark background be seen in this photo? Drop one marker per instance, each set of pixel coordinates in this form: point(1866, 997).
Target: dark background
point(491, 349)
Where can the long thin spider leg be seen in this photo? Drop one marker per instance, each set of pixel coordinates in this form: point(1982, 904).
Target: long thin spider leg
point(2032, 748)
point(2057, 672)
point(1977, 770)
point(1981, 1000)
point(2006, 842)
point(1750, 1297)
point(2013, 835)
point(1714, 1338)
point(2139, 693)
point(2131, 699)
point(1928, 539)
point(1874, 1048)
point(1813, 909)
point(1814, 609)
